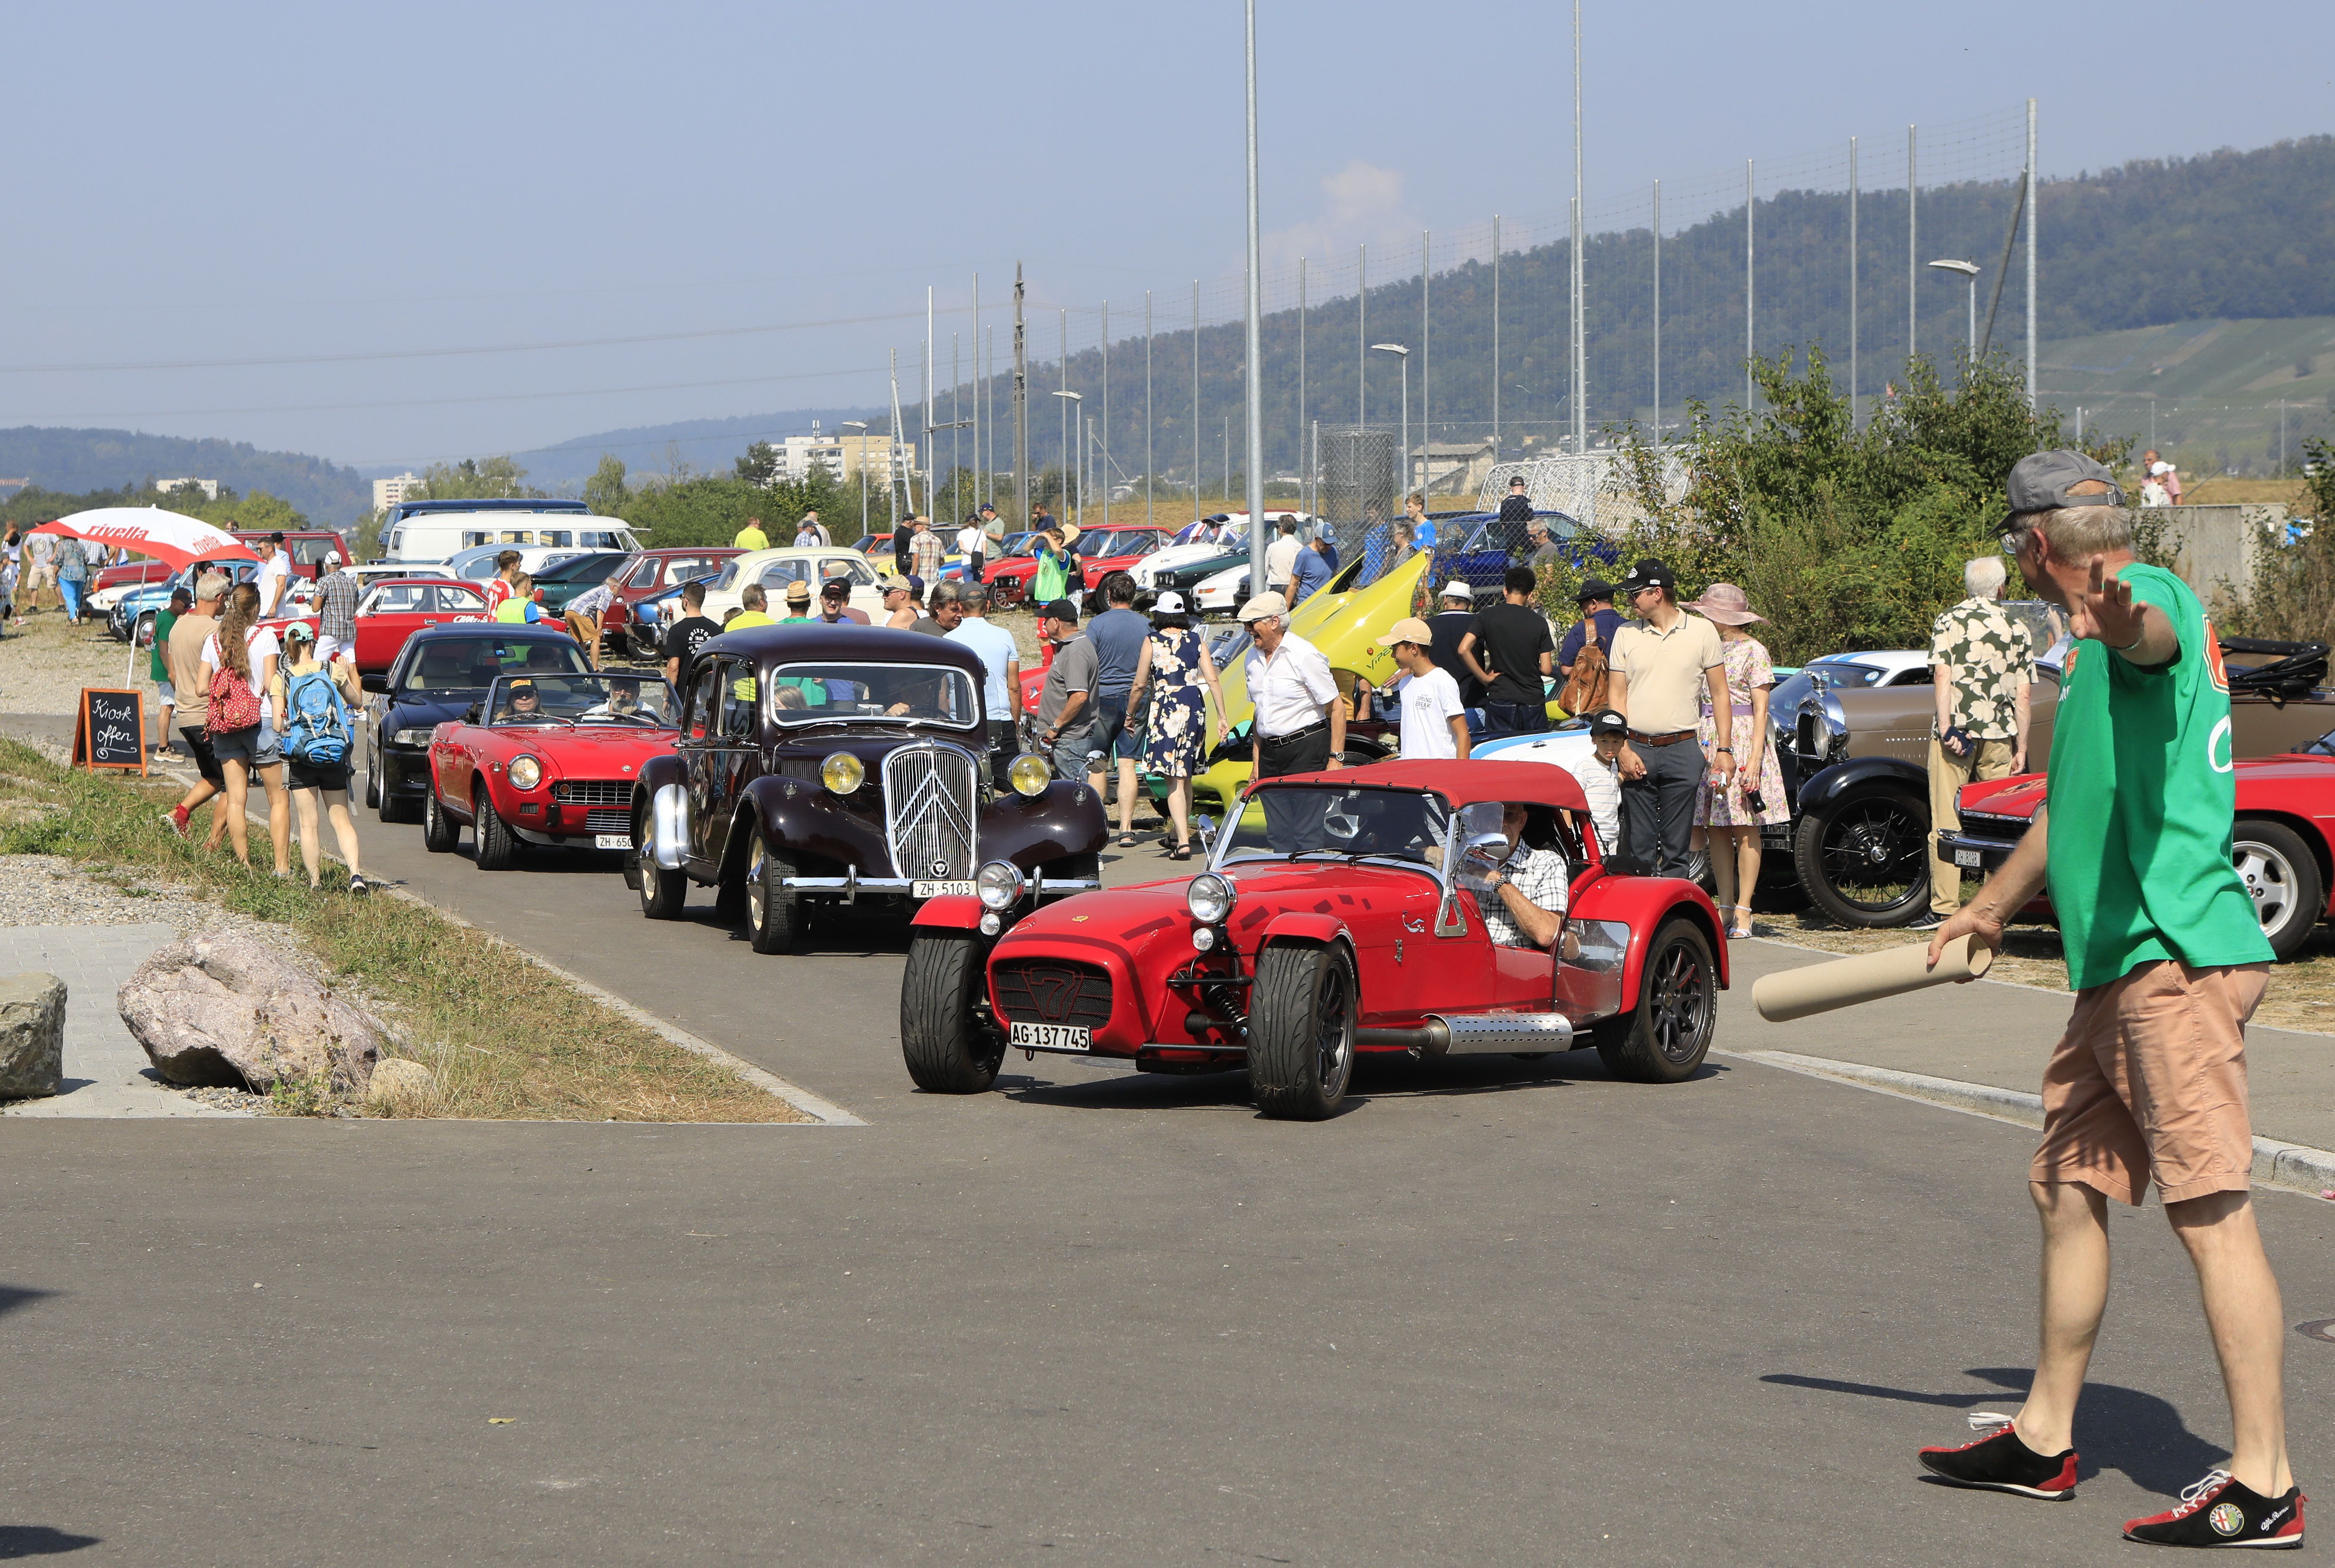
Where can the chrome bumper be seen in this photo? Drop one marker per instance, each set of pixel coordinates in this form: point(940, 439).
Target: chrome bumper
point(851, 884)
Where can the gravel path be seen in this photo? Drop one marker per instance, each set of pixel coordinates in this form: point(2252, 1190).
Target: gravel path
point(43, 667)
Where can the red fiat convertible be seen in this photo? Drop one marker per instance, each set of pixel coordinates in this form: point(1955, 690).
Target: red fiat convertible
point(548, 759)
point(1343, 913)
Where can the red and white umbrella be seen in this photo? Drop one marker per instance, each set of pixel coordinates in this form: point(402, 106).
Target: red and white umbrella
point(172, 537)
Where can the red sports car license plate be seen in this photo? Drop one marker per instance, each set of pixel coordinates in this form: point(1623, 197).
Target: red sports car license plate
point(1025, 1036)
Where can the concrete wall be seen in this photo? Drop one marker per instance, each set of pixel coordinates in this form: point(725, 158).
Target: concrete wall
point(2213, 546)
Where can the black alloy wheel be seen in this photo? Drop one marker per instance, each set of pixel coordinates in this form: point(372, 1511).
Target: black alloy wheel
point(1863, 859)
point(373, 778)
point(949, 1047)
point(392, 808)
point(1664, 1039)
point(1301, 1035)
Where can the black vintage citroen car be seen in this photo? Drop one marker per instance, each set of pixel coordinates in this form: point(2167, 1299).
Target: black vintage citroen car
point(825, 766)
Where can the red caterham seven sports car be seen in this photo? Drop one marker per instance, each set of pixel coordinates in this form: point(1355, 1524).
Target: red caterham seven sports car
point(546, 759)
point(1341, 913)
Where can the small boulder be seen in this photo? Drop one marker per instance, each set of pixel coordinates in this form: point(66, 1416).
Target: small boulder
point(225, 1009)
point(401, 1088)
point(32, 1035)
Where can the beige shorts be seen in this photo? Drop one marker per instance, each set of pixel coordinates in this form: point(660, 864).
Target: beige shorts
point(2150, 1080)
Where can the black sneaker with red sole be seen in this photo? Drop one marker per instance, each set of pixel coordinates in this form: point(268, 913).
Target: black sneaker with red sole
point(2223, 1511)
point(2000, 1462)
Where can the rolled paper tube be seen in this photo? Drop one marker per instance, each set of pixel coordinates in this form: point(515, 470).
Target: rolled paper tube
point(1868, 977)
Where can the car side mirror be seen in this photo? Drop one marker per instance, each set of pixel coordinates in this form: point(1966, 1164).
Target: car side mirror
point(1206, 826)
point(1491, 848)
point(376, 683)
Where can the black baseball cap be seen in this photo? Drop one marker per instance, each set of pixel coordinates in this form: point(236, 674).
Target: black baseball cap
point(2040, 482)
point(1606, 721)
point(1650, 573)
point(1592, 588)
point(835, 588)
point(1060, 610)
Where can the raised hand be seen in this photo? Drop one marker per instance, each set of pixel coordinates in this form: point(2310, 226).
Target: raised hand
point(2105, 612)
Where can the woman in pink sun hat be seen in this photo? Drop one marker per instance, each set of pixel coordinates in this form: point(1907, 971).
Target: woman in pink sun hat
point(1730, 814)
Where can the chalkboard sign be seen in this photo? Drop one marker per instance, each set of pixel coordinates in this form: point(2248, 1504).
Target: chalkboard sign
point(110, 730)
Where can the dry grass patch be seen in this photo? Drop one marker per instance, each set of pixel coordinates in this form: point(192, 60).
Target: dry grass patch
point(504, 1036)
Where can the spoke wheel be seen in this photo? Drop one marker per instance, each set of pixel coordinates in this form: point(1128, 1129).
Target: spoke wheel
point(1865, 860)
point(1664, 1039)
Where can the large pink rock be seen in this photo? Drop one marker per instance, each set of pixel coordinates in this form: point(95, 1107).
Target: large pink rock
point(227, 1009)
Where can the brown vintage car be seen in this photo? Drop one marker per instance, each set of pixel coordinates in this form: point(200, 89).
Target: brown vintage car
point(1857, 766)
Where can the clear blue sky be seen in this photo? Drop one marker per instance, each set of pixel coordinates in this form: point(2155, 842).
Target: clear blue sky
point(209, 183)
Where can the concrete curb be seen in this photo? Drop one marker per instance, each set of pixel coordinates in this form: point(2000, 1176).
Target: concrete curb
point(2287, 1167)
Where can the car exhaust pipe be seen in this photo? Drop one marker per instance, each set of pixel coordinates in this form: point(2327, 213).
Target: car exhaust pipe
point(1470, 1034)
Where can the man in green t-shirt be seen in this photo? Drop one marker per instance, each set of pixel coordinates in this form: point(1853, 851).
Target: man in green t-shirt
point(2167, 962)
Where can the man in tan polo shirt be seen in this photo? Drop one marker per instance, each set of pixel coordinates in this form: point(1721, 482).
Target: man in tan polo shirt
point(1666, 666)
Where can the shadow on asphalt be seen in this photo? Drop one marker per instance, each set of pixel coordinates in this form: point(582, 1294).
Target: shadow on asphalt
point(1373, 1082)
point(2117, 1428)
point(15, 1296)
point(40, 1541)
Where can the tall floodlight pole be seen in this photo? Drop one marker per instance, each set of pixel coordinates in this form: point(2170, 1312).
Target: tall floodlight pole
point(956, 423)
point(979, 381)
point(1074, 453)
point(1912, 253)
point(1426, 360)
point(1020, 398)
point(1196, 397)
point(1750, 276)
point(1572, 312)
point(1147, 408)
point(1580, 272)
point(989, 422)
point(1255, 378)
point(1969, 270)
point(1106, 413)
point(861, 426)
point(1362, 334)
point(1402, 461)
point(1852, 282)
point(1065, 392)
point(1658, 313)
point(892, 450)
point(1495, 337)
point(931, 446)
point(1305, 489)
point(2034, 205)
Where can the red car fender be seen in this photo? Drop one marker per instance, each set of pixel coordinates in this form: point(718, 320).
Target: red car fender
point(950, 912)
point(1645, 901)
point(1305, 927)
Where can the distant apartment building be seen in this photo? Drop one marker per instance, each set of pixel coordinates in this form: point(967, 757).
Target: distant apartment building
point(208, 487)
point(387, 493)
point(840, 454)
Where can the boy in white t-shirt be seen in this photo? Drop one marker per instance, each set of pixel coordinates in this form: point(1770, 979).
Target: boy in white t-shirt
point(1434, 720)
point(1601, 780)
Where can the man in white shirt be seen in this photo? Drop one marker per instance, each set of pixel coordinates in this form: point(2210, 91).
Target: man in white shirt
point(1300, 720)
point(275, 579)
point(1434, 722)
point(1001, 661)
point(585, 613)
point(810, 533)
point(971, 543)
point(1281, 557)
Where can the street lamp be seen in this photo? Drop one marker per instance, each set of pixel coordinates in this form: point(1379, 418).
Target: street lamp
point(1078, 454)
point(861, 426)
point(1969, 269)
point(1402, 470)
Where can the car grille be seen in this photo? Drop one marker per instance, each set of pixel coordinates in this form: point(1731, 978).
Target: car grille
point(1052, 991)
point(609, 819)
point(2007, 827)
point(593, 791)
point(930, 796)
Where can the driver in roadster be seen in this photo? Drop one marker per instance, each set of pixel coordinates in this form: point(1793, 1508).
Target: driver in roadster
point(1522, 893)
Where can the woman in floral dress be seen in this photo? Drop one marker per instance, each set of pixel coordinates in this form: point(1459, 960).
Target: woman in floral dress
point(1175, 666)
point(1728, 815)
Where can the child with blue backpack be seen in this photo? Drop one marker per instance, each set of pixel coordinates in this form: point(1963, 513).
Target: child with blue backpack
point(316, 706)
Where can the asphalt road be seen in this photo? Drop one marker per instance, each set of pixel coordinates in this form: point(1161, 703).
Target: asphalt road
point(1497, 1312)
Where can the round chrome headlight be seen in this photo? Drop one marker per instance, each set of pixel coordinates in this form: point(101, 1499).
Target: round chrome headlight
point(526, 772)
point(1030, 774)
point(998, 885)
point(1209, 898)
point(842, 772)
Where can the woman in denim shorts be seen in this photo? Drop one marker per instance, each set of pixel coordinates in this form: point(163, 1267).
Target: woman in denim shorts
point(242, 753)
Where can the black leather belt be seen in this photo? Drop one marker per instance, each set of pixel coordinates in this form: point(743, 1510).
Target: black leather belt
point(1672, 739)
point(1314, 729)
